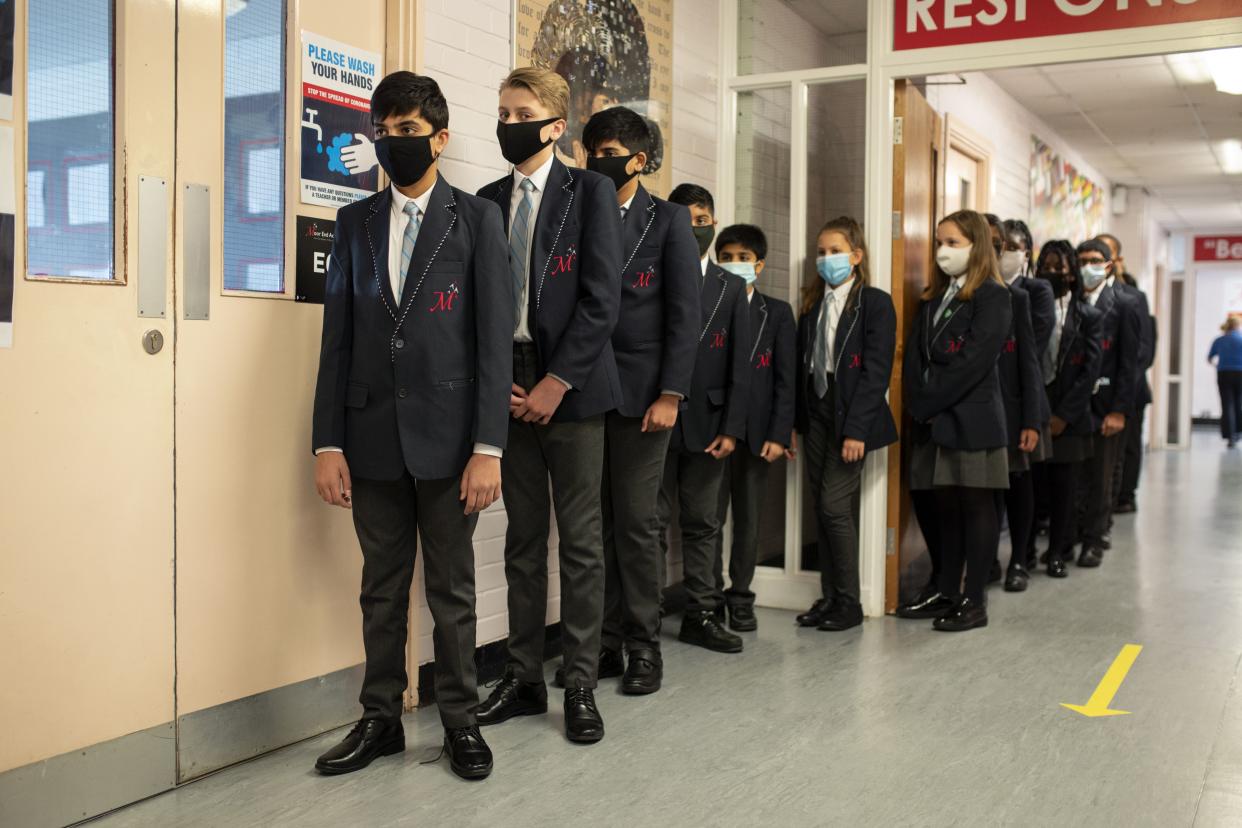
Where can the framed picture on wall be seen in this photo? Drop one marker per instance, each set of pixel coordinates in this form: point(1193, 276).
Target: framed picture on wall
point(612, 53)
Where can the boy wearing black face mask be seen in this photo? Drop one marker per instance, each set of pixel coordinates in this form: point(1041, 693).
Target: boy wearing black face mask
point(411, 412)
point(564, 240)
point(655, 342)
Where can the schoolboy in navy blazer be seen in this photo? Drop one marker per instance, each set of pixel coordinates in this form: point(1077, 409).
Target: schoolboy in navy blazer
point(655, 342)
point(1021, 378)
point(412, 399)
point(711, 422)
point(564, 237)
point(769, 419)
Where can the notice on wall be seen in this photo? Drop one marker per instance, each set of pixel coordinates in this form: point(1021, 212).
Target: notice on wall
point(6, 58)
point(1065, 204)
point(313, 249)
point(8, 206)
point(338, 158)
point(1218, 249)
point(610, 52)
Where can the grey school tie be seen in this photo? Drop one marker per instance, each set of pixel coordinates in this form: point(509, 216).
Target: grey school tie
point(821, 346)
point(518, 242)
point(949, 293)
point(407, 244)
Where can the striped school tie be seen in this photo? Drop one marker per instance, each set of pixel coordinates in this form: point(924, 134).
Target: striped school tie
point(407, 244)
point(519, 239)
point(821, 346)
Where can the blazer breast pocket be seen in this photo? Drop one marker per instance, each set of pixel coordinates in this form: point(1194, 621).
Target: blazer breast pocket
point(446, 268)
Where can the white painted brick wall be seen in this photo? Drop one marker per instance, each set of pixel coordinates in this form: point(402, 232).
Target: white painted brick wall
point(468, 51)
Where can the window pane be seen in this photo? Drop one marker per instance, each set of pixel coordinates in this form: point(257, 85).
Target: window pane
point(784, 35)
point(69, 194)
point(254, 117)
point(762, 177)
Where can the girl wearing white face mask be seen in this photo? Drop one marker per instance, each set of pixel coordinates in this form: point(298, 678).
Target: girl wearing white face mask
point(952, 392)
point(847, 333)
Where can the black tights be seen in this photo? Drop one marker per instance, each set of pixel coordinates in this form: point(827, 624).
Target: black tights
point(1062, 508)
point(1018, 502)
point(925, 511)
point(969, 527)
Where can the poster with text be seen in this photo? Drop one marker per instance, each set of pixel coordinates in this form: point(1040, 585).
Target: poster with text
point(338, 158)
point(8, 206)
point(1065, 204)
point(611, 52)
point(6, 58)
point(314, 246)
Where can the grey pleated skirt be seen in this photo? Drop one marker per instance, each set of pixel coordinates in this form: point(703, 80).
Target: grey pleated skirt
point(1020, 461)
point(933, 466)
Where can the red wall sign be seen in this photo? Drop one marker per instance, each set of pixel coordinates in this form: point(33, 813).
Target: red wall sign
point(919, 24)
point(1218, 248)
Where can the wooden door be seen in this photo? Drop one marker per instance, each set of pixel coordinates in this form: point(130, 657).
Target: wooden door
point(916, 156)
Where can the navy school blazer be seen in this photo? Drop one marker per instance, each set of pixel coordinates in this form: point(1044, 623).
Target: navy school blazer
point(866, 338)
point(1043, 311)
point(575, 285)
point(1147, 341)
point(1120, 334)
point(770, 412)
point(951, 381)
point(1021, 377)
point(657, 332)
point(412, 383)
point(1078, 366)
point(719, 386)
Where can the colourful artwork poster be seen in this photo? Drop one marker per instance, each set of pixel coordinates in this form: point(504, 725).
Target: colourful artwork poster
point(611, 52)
point(1065, 204)
point(338, 157)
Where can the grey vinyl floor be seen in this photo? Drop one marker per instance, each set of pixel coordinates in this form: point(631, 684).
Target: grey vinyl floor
point(890, 724)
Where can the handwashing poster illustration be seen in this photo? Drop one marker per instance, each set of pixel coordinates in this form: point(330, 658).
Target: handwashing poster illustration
point(338, 157)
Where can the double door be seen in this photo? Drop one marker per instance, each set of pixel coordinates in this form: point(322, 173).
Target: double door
point(165, 555)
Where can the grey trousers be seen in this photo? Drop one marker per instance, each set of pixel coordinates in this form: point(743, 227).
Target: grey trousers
point(1096, 486)
point(633, 472)
point(571, 455)
point(694, 479)
point(744, 485)
point(389, 516)
point(834, 492)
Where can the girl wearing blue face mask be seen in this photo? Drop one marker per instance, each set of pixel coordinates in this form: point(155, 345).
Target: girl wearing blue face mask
point(846, 337)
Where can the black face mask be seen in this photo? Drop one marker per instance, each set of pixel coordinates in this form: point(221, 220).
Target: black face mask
point(406, 158)
point(613, 167)
point(704, 235)
point(521, 140)
point(1059, 281)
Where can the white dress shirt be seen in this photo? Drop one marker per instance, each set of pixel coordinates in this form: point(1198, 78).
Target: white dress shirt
point(1054, 343)
point(540, 179)
point(839, 294)
point(703, 265)
point(397, 222)
point(1094, 296)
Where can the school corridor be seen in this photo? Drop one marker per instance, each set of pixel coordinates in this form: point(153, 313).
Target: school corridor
point(889, 724)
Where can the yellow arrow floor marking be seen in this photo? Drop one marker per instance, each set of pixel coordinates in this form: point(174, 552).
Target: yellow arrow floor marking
point(1098, 704)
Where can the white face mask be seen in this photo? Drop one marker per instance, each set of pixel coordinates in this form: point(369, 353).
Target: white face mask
point(1012, 264)
point(953, 260)
point(1093, 275)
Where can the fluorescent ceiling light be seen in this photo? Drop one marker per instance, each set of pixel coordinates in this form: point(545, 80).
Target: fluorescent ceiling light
point(1226, 68)
point(1230, 155)
point(1189, 68)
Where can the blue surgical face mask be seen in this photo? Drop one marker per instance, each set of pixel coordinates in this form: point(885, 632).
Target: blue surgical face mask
point(744, 269)
point(834, 269)
point(1093, 275)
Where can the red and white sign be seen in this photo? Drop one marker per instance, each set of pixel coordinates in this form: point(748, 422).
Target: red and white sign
point(921, 24)
point(1218, 248)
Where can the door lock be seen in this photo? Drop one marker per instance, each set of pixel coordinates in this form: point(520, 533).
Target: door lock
point(152, 342)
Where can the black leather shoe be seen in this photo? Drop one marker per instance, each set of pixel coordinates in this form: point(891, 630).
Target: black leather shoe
point(994, 573)
point(1090, 557)
point(1126, 507)
point(644, 673)
point(816, 614)
point(583, 724)
point(742, 618)
point(1016, 579)
point(965, 615)
point(369, 740)
point(703, 630)
point(468, 754)
point(719, 612)
point(512, 698)
point(843, 616)
point(1056, 567)
point(929, 603)
point(1106, 542)
point(611, 665)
